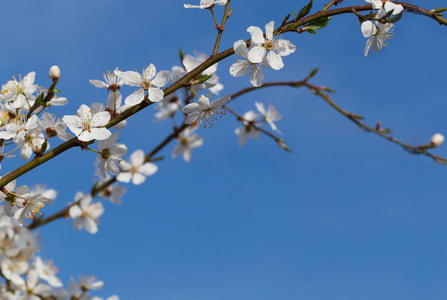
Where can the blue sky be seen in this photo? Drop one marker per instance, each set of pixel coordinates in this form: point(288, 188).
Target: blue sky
point(347, 215)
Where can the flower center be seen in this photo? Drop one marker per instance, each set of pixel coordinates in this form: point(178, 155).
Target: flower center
point(269, 45)
point(184, 141)
point(208, 116)
point(384, 33)
point(134, 169)
point(35, 207)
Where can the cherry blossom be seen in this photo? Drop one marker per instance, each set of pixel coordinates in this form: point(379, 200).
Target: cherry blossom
point(241, 67)
point(137, 169)
point(53, 128)
point(186, 143)
point(18, 92)
point(387, 5)
point(206, 4)
point(47, 272)
point(112, 81)
point(204, 111)
point(30, 207)
point(270, 115)
point(270, 45)
point(84, 214)
point(248, 130)
point(88, 126)
point(149, 81)
point(111, 153)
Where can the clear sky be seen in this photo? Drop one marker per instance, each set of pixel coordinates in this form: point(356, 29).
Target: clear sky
point(347, 215)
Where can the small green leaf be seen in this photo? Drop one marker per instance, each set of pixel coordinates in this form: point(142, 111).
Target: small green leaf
point(204, 78)
point(305, 10)
point(56, 91)
point(313, 72)
point(317, 24)
point(396, 17)
point(440, 10)
point(310, 30)
point(329, 90)
point(182, 55)
point(44, 147)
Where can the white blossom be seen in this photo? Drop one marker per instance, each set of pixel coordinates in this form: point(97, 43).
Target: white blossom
point(270, 45)
point(149, 81)
point(84, 214)
point(206, 4)
point(112, 81)
point(204, 111)
point(18, 92)
point(137, 169)
point(387, 5)
point(111, 153)
point(187, 143)
point(47, 272)
point(88, 126)
point(241, 67)
point(248, 130)
point(270, 115)
point(53, 128)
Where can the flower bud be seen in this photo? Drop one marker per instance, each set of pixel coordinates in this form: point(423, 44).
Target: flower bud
point(55, 72)
point(437, 139)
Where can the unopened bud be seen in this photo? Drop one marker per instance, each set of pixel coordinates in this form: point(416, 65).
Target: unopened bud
point(437, 139)
point(55, 72)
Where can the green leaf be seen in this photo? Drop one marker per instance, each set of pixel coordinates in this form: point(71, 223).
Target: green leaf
point(204, 78)
point(329, 90)
point(317, 24)
point(56, 91)
point(305, 10)
point(313, 72)
point(44, 147)
point(310, 30)
point(182, 55)
point(397, 17)
point(440, 10)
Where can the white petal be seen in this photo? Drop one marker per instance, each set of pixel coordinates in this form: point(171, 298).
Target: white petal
point(100, 133)
point(149, 72)
point(155, 94)
point(101, 118)
point(98, 83)
point(190, 63)
point(240, 49)
point(138, 179)
point(274, 60)
point(368, 29)
point(257, 37)
point(135, 98)
point(269, 30)
point(148, 169)
point(256, 54)
point(256, 76)
point(137, 158)
point(161, 78)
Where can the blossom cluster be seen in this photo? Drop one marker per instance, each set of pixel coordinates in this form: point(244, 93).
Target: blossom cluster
point(27, 275)
point(26, 127)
